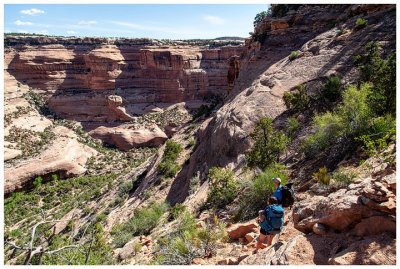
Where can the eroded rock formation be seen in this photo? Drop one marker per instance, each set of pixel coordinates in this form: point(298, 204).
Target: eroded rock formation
point(77, 76)
point(126, 139)
point(65, 157)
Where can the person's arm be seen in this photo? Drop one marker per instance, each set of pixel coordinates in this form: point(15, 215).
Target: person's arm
point(260, 216)
point(263, 214)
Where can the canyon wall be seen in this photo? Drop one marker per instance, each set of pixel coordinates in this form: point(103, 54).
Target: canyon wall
point(77, 75)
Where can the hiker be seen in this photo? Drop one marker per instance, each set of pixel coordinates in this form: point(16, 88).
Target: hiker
point(278, 192)
point(271, 221)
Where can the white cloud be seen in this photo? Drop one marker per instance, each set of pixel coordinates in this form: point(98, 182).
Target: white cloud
point(23, 31)
point(18, 22)
point(71, 32)
point(43, 32)
point(32, 11)
point(87, 22)
point(213, 19)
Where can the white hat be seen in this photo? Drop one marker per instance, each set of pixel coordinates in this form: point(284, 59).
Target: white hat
point(276, 179)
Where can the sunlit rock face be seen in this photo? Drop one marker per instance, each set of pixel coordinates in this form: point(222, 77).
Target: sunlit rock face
point(77, 75)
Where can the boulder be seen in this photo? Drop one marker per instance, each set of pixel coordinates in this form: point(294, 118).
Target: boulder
point(337, 211)
point(170, 129)
point(250, 237)
point(126, 139)
point(375, 225)
point(319, 229)
point(345, 208)
point(239, 230)
point(128, 250)
point(60, 226)
point(199, 261)
point(375, 250)
point(10, 154)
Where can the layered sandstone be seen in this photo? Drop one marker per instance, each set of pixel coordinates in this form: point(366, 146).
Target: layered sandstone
point(125, 138)
point(78, 76)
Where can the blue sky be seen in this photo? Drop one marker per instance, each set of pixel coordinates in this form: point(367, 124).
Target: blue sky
point(133, 20)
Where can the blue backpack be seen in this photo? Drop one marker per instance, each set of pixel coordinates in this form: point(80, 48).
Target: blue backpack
point(273, 223)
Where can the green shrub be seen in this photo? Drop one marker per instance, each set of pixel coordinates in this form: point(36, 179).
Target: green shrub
point(292, 125)
point(322, 176)
point(294, 55)
point(351, 120)
point(193, 184)
point(280, 10)
point(329, 127)
point(168, 168)
point(192, 143)
point(381, 126)
point(168, 165)
point(372, 145)
point(125, 188)
point(142, 222)
point(331, 89)
point(223, 187)
point(382, 74)
point(260, 189)
point(207, 109)
point(355, 110)
point(172, 150)
point(268, 144)
point(137, 247)
point(260, 37)
point(259, 18)
point(297, 100)
point(343, 177)
point(37, 182)
point(188, 242)
point(361, 24)
point(176, 211)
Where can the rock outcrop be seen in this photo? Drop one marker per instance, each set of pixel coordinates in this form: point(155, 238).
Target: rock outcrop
point(65, 157)
point(366, 207)
point(125, 138)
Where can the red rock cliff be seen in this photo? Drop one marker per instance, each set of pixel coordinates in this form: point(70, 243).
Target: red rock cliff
point(77, 75)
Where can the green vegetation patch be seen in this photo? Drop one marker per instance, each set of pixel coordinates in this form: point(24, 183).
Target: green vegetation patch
point(223, 187)
point(168, 165)
point(31, 143)
point(187, 241)
point(298, 100)
point(361, 24)
point(268, 144)
point(142, 222)
point(294, 55)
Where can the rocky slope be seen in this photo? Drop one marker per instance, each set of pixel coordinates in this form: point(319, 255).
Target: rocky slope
point(327, 225)
point(267, 73)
